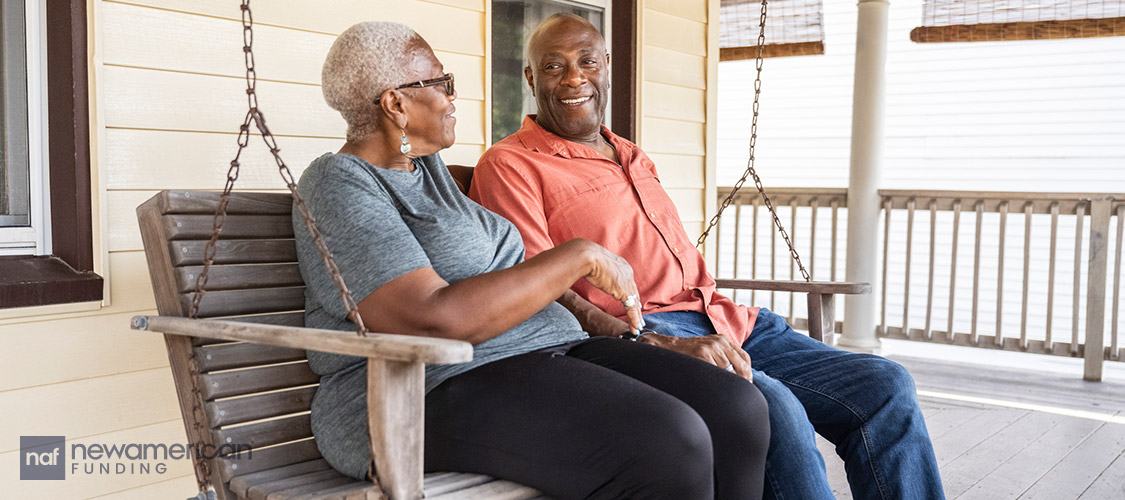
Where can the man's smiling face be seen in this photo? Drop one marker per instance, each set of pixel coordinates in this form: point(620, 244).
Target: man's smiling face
point(569, 74)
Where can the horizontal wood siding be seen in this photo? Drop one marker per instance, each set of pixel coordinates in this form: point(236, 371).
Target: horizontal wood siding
point(673, 90)
point(170, 95)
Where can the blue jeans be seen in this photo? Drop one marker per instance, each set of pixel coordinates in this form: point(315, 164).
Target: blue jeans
point(864, 404)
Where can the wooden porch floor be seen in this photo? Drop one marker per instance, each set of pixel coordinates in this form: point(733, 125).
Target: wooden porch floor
point(1007, 434)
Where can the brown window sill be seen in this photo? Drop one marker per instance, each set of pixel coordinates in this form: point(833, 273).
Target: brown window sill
point(43, 280)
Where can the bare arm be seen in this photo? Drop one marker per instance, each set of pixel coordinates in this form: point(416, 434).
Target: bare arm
point(481, 307)
point(595, 321)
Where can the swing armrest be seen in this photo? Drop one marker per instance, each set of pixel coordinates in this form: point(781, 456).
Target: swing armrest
point(817, 287)
point(383, 346)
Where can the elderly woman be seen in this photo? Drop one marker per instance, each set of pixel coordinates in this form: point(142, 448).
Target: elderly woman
point(540, 404)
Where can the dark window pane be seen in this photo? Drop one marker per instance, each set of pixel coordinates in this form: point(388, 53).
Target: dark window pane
point(14, 187)
point(512, 22)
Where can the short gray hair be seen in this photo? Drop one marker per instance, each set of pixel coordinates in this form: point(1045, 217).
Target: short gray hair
point(366, 60)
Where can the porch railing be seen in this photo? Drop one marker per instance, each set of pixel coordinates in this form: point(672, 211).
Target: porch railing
point(1026, 272)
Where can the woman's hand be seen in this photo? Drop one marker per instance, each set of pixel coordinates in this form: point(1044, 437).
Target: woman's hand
point(613, 275)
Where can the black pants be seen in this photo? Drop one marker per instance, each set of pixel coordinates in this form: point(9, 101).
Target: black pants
point(603, 418)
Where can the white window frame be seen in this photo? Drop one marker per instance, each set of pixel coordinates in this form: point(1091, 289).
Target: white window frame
point(34, 239)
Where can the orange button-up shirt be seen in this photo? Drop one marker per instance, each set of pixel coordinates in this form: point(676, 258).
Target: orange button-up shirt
point(555, 190)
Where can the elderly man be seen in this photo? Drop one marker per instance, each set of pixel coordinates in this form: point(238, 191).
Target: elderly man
point(563, 175)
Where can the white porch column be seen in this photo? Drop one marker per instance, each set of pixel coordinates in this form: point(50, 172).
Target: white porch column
point(868, 103)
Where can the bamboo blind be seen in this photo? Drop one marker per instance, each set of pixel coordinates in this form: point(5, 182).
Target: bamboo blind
point(793, 28)
point(1004, 20)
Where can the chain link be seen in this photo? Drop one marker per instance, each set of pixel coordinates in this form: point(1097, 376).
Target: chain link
point(254, 117)
point(750, 171)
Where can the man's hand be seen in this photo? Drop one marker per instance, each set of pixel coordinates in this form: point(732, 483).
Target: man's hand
point(593, 320)
point(715, 349)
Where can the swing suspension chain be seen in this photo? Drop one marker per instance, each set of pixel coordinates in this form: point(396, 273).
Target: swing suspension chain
point(750, 171)
point(253, 116)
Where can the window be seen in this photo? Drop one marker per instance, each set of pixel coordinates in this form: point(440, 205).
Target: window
point(23, 207)
point(56, 265)
point(512, 22)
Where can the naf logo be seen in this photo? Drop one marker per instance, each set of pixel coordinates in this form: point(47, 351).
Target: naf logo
point(42, 457)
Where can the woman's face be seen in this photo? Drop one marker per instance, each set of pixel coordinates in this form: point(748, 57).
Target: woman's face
point(429, 110)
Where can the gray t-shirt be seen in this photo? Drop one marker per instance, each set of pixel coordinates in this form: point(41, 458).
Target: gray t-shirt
point(380, 224)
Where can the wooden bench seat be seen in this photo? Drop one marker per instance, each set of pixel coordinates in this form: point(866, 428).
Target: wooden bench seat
point(248, 375)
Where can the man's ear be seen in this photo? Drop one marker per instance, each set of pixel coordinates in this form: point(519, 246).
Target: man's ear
point(527, 73)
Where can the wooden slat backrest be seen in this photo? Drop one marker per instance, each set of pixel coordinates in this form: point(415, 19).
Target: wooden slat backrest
point(255, 274)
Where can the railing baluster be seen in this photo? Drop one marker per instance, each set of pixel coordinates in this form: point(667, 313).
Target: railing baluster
point(719, 244)
point(976, 270)
point(737, 238)
point(754, 252)
point(1027, 211)
point(953, 270)
point(773, 266)
point(909, 252)
point(1113, 339)
point(1095, 288)
point(887, 204)
point(999, 339)
point(812, 240)
point(930, 288)
point(792, 265)
point(835, 212)
point(1047, 345)
point(1077, 294)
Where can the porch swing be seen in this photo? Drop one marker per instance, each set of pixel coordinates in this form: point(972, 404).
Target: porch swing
point(241, 377)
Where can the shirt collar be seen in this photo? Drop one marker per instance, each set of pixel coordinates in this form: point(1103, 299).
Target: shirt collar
point(536, 138)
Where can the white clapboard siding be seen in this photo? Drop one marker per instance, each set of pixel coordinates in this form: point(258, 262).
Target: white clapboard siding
point(454, 29)
point(168, 96)
point(673, 101)
point(96, 485)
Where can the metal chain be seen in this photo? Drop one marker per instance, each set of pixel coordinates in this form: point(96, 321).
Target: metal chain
point(750, 171)
point(253, 116)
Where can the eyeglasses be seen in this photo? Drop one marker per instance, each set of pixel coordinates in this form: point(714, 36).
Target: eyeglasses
point(445, 80)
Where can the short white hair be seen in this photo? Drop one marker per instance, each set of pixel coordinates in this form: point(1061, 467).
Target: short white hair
point(366, 60)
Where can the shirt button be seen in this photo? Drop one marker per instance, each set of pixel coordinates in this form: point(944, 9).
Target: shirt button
point(653, 215)
point(677, 249)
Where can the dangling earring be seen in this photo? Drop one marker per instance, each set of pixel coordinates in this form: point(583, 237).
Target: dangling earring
point(405, 147)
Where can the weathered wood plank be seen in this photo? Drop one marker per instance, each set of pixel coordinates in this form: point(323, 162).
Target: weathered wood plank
point(198, 227)
point(493, 490)
point(232, 277)
point(447, 482)
point(396, 439)
point(229, 356)
point(190, 253)
point(238, 383)
point(972, 432)
point(236, 411)
point(1110, 484)
point(265, 459)
point(410, 348)
point(270, 432)
point(1081, 467)
point(313, 481)
point(963, 472)
point(1021, 471)
point(823, 287)
point(241, 203)
point(241, 484)
point(240, 302)
point(296, 318)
